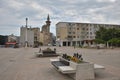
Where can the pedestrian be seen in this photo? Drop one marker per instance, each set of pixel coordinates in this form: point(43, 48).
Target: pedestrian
point(39, 50)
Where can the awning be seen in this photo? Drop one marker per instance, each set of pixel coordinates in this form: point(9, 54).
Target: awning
point(11, 43)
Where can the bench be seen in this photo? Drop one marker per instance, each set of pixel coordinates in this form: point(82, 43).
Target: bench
point(46, 53)
point(40, 54)
point(76, 71)
point(66, 69)
point(61, 64)
point(97, 66)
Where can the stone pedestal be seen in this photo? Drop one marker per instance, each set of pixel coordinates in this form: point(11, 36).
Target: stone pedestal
point(84, 71)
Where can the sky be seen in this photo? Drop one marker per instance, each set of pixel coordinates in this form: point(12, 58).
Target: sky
point(14, 12)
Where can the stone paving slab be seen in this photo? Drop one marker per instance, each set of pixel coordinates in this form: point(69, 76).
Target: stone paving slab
point(22, 64)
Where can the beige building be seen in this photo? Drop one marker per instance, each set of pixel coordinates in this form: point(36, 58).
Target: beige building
point(33, 36)
point(36, 31)
point(45, 35)
point(78, 34)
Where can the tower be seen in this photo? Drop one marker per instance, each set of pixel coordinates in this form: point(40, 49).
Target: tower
point(26, 35)
point(26, 22)
point(26, 41)
point(45, 33)
point(48, 23)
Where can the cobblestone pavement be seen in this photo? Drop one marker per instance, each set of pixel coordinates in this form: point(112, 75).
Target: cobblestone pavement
point(22, 64)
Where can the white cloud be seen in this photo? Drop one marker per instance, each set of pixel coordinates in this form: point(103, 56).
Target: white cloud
point(40, 8)
point(70, 13)
point(74, 1)
point(14, 12)
point(15, 4)
point(106, 0)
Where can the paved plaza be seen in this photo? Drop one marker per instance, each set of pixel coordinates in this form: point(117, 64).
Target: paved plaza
point(22, 64)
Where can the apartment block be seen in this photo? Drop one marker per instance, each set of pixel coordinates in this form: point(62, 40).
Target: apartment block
point(78, 34)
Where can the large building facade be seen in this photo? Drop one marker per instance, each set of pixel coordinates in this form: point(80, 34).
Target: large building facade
point(33, 36)
point(78, 34)
point(45, 35)
point(26, 37)
point(36, 31)
point(13, 38)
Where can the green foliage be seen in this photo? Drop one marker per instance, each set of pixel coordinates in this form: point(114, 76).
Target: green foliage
point(111, 35)
point(3, 39)
point(99, 41)
point(115, 41)
point(48, 49)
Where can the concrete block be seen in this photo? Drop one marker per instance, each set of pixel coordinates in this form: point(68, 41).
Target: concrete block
point(85, 71)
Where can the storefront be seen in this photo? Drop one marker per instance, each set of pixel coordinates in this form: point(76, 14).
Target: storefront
point(11, 44)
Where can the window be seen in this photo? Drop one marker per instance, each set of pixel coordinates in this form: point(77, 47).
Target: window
point(91, 33)
point(69, 32)
point(87, 29)
point(35, 38)
point(69, 36)
point(74, 36)
point(69, 24)
point(83, 28)
point(91, 37)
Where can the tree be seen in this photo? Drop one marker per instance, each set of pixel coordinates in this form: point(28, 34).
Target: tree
point(101, 35)
point(98, 41)
point(111, 35)
point(114, 41)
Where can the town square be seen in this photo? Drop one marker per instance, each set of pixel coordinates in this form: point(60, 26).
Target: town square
point(23, 64)
point(59, 40)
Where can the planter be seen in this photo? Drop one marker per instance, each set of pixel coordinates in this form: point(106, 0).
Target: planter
point(49, 52)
